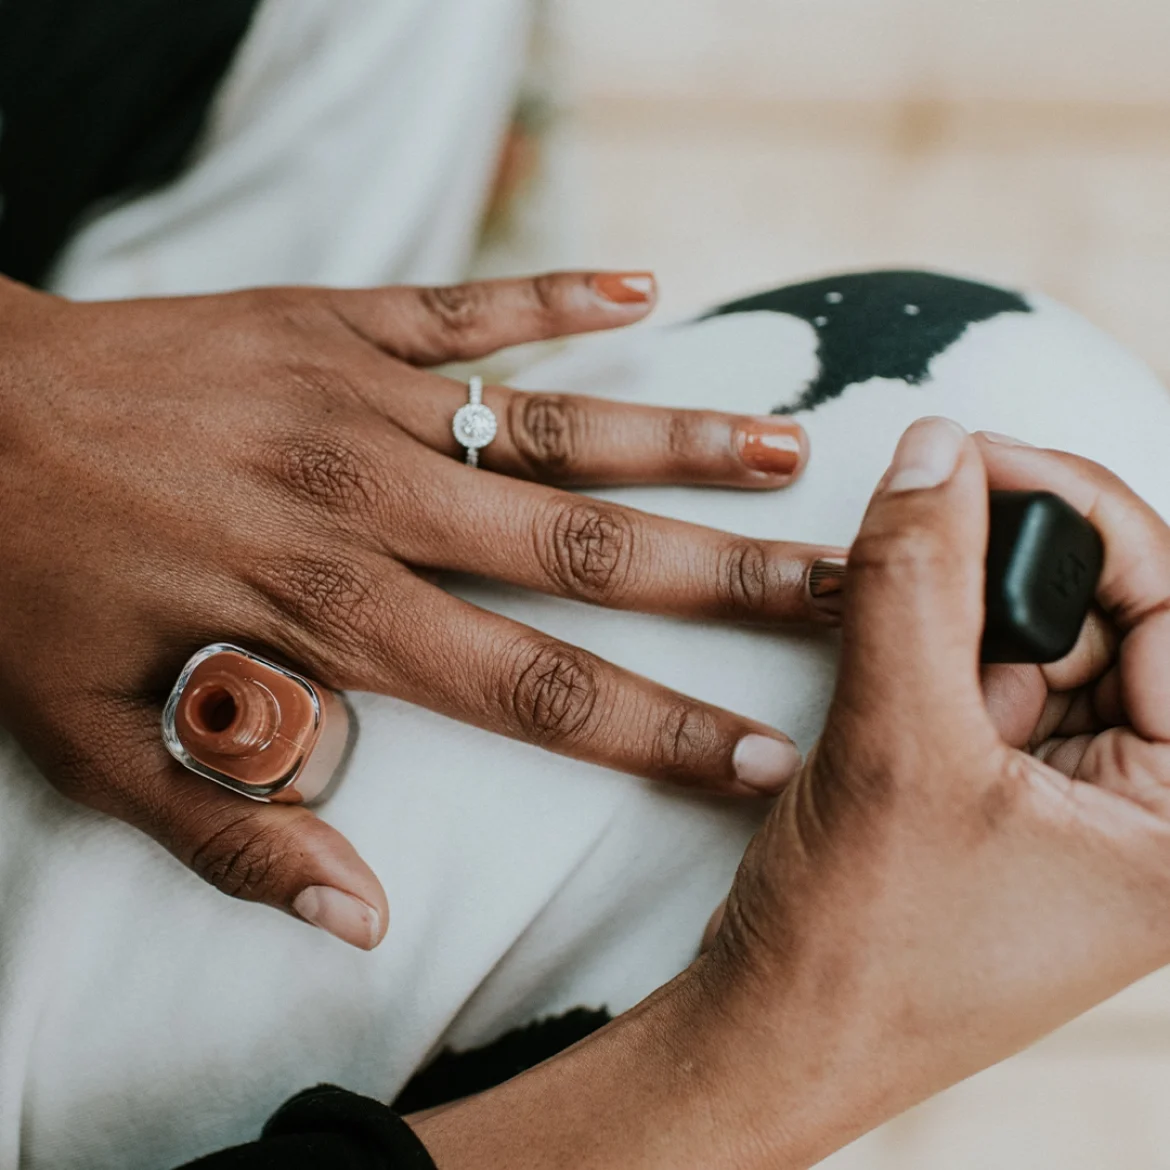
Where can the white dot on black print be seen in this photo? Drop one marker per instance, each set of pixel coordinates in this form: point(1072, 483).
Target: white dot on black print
point(885, 325)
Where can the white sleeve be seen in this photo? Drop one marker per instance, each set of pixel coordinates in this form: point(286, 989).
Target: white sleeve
point(353, 142)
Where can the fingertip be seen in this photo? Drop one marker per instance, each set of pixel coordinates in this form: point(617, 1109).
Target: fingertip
point(627, 294)
point(999, 440)
point(825, 586)
point(343, 897)
point(763, 764)
point(936, 481)
point(926, 457)
point(332, 888)
point(775, 450)
point(342, 915)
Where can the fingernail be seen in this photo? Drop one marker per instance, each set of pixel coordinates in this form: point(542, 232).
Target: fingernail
point(926, 456)
point(772, 445)
point(765, 764)
point(1003, 440)
point(826, 585)
point(624, 288)
point(341, 915)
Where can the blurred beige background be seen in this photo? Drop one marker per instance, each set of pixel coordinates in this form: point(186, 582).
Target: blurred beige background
point(736, 143)
point(732, 144)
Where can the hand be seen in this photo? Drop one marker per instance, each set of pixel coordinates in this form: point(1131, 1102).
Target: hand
point(955, 875)
point(928, 897)
point(271, 468)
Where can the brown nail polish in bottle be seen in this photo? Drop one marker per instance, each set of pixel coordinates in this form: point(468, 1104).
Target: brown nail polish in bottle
point(255, 727)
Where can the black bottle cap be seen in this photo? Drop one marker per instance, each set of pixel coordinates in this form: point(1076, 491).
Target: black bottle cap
point(1044, 562)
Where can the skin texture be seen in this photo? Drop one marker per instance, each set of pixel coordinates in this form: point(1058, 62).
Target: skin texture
point(965, 862)
point(276, 468)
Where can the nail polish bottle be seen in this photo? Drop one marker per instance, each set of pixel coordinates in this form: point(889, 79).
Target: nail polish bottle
point(255, 727)
point(1044, 562)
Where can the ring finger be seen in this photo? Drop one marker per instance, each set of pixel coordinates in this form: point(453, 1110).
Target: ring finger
point(576, 440)
point(481, 668)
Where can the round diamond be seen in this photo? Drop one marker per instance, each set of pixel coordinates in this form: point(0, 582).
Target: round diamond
point(474, 426)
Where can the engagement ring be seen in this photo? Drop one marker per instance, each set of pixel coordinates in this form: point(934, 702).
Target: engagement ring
point(475, 424)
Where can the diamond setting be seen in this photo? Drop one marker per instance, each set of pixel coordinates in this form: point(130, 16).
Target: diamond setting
point(474, 426)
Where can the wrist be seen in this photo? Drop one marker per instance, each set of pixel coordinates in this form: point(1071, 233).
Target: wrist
point(797, 1073)
point(686, 1078)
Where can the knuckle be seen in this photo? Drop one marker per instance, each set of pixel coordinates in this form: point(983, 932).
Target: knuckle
point(588, 550)
point(329, 595)
point(546, 296)
point(240, 859)
point(90, 760)
point(834, 793)
point(316, 380)
point(455, 311)
point(742, 583)
point(547, 432)
point(684, 433)
point(915, 555)
point(683, 740)
point(553, 692)
point(326, 471)
point(286, 309)
point(72, 775)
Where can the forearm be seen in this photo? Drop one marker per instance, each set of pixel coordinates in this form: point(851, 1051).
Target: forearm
point(683, 1079)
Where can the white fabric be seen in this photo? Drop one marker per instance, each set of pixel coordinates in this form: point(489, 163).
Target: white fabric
point(145, 1019)
point(354, 142)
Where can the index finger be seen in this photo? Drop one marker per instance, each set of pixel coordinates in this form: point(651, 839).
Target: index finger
point(430, 326)
point(1135, 581)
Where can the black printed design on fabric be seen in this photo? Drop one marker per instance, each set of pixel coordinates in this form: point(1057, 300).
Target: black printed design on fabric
point(453, 1075)
point(99, 99)
point(879, 324)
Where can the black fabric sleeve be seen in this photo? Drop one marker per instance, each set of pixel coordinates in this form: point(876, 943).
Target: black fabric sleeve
point(99, 101)
point(327, 1128)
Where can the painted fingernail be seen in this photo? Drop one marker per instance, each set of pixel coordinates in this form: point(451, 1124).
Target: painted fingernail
point(774, 446)
point(764, 764)
point(826, 585)
point(926, 456)
point(624, 288)
point(1003, 440)
point(341, 915)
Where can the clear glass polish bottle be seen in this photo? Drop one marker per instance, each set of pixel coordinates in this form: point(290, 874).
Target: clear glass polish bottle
point(255, 727)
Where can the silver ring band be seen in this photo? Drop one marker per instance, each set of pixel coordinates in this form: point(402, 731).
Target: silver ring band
point(474, 425)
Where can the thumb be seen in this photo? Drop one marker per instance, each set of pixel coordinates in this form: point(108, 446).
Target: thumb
point(430, 326)
point(914, 608)
point(279, 854)
point(290, 859)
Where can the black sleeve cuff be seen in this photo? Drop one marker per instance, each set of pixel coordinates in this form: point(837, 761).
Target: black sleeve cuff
point(327, 1128)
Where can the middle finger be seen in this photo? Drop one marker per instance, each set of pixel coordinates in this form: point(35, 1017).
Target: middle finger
point(606, 554)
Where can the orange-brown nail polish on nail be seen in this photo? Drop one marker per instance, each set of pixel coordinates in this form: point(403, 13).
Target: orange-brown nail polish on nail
point(624, 288)
point(773, 446)
point(826, 585)
point(255, 727)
